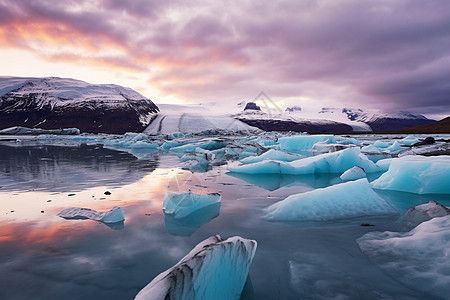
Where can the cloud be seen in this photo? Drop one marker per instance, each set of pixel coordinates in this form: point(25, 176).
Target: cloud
point(379, 54)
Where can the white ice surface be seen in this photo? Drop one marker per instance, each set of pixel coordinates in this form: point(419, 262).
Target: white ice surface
point(214, 269)
point(418, 258)
point(353, 174)
point(346, 200)
point(417, 174)
point(335, 162)
point(113, 216)
point(180, 204)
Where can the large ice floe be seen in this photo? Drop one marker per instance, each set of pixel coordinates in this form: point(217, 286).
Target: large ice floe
point(114, 215)
point(417, 174)
point(214, 269)
point(342, 201)
point(182, 204)
point(335, 162)
point(417, 258)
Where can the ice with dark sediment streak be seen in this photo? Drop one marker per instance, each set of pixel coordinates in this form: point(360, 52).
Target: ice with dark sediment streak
point(353, 174)
point(214, 269)
point(182, 204)
point(114, 215)
point(417, 174)
point(421, 213)
point(335, 162)
point(341, 201)
point(417, 258)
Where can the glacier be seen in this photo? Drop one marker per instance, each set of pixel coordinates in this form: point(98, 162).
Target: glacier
point(417, 174)
point(335, 162)
point(417, 258)
point(341, 201)
point(182, 204)
point(115, 215)
point(214, 269)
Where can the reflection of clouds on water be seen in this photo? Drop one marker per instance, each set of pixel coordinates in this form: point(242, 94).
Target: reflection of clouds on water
point(59, 168)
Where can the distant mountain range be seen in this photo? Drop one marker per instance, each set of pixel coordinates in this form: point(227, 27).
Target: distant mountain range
point(332, 120)
point(53, 102)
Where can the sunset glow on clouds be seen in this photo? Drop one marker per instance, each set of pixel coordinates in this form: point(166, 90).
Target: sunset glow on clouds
point(381, 54)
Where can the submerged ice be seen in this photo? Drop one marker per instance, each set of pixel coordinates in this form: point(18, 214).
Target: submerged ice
point(346, 200)
point(417, 258)
point(214, 269)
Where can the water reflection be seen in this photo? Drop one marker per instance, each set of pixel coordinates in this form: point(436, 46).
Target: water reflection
point(189, 224)
point(60, 168)
point(272, 182)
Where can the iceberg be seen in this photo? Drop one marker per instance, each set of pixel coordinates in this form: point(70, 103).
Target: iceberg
point(19, 130)
point(335, 162)
point(409, 140)
point(214, 269)
point(380, 144)
point(342, 201)
point(417, 258)
point(353, 174)
point(326, 147)
point(272, 155)
point(115, 215)
point(300, 143)
point(421, 213)
point(417, 174)
point(395, 147)
point(180, 204)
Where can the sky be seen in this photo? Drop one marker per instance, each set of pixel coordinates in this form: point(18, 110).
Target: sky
point(391, 55)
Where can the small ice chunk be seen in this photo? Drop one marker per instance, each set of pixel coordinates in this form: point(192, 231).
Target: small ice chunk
point(273, 155)
point(214, 269)
point(421, 213)
point(113, 216)
point(417, 174)
point(380, 144)
point(417, 258)
point(409, 140)
point(346, 200)
point(395, 147)
point(299, 143)
point(353, 174)
point(180, 204)
point(370, 149)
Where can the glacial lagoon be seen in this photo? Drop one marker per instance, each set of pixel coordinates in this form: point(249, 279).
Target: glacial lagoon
point(44, 256)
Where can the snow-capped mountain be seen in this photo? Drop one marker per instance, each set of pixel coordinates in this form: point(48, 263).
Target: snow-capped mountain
point(62, 102)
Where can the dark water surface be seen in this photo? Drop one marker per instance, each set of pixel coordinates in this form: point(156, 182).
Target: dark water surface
point(46, 257)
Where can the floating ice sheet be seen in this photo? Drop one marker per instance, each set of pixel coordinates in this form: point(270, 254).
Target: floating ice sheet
point(346, 200)
point(113, 216)
point(214, 269)
point(417, 174)
point(418, 258)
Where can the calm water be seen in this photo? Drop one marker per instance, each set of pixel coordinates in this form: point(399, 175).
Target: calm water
point(46, 257)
